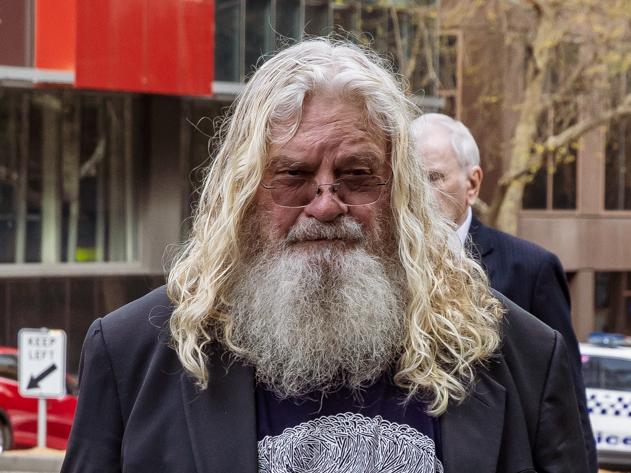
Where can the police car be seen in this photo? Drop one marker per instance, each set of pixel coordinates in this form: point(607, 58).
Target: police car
point(607, 376)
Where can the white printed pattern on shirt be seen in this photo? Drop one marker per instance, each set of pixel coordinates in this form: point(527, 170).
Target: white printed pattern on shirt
point(348, 443)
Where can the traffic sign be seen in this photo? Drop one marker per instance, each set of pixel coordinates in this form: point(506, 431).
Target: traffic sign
point(42, 362)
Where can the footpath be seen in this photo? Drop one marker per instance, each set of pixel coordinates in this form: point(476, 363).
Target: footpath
point(34, 460)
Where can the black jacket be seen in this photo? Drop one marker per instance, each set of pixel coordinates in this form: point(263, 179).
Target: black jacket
point(139, 412)
point(533, 278)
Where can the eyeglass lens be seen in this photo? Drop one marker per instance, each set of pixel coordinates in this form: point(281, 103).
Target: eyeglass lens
point(299, 192)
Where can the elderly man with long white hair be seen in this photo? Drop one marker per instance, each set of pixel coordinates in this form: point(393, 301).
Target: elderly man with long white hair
point(317, 319)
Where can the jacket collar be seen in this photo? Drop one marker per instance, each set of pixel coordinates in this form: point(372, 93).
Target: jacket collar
point(471, 432)
point(481, 240)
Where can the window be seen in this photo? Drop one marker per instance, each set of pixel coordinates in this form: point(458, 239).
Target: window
point(199, 120)
point(68, 171)
point(613, 302)
point(553, 185)
point(618, 165)
point(9, 367)
point(259, 39)
point(406, 31)
point(450, 72)
point(607, 373)
point(317, 20)
point(246, 30)
point(229, 40)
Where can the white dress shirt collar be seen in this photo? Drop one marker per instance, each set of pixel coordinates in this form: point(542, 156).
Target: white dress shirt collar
point(463, 230)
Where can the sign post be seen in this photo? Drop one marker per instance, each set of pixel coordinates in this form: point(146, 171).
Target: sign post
point(42, 370)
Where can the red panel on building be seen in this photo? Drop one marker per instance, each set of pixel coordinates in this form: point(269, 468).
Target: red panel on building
point(55, 34)
point(163, 46)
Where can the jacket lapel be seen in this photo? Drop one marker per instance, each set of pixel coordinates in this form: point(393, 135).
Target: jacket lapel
point(471, 432)
point(222, 419)
point(480, 239)
point(480, 245)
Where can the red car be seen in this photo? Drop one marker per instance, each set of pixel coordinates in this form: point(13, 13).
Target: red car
point(18, 415)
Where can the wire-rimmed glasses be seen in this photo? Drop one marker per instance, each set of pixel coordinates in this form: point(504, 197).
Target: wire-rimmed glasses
point(295, 191)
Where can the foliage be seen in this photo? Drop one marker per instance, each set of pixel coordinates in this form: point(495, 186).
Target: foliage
point(575, 56)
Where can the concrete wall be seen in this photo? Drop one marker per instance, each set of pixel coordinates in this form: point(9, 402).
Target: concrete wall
point(600, 242)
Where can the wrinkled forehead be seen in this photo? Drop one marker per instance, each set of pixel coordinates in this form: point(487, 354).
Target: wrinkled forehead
point(328, 122)
point(286, 118)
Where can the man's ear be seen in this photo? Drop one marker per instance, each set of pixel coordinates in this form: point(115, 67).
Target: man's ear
point(474, 181)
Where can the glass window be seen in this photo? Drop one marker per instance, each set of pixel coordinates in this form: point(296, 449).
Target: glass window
point(602, 292)
point(448, 61)
point(68, 171)
point(553, 185)
point(618, 165)
point(259, 35)
point(447, 78)
point(607, 373)
point(374, 22)
point(564, 185)
point(406, 31)
point(424, 54)
point(228, 34)
point(345, 17)
point(9, 367)
point(612, 302)
point(201, 119)
point(288, 19)
point(591, 365)
point(317, 17)
point(535, 191)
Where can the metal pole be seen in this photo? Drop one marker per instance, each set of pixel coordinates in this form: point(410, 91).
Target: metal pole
point(41, 422)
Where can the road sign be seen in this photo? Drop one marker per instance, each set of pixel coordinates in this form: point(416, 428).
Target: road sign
point(42, 362)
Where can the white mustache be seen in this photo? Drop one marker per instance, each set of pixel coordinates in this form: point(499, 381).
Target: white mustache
point(344, 228)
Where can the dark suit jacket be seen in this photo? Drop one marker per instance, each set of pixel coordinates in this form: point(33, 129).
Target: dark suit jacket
point(534, 279)
point(139, 412)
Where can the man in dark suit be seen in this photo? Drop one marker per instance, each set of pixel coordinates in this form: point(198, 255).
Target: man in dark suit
point(526, 273)
point(318, 319)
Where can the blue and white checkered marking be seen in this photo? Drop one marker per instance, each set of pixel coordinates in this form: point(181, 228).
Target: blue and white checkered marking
point(608, 403)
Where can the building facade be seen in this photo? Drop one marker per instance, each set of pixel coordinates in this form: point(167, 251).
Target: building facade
point(97, 177)
point(98, 169)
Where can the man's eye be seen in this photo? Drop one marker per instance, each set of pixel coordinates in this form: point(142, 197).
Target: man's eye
point(292, 172)
point(356, 172)
point(436, 176)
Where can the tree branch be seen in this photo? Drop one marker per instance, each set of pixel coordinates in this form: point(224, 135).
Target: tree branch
point(89, 167)
point(397, 38)
point(568, 84)
point(568, 135)
point(576, 131)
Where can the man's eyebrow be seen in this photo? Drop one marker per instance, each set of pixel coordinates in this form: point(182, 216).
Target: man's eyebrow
point(284, 161)
point(368, 159)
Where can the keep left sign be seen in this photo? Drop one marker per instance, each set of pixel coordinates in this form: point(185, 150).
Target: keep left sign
point(42, 362)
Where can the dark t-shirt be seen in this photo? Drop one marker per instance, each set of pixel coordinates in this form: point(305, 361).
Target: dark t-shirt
point(343, 432)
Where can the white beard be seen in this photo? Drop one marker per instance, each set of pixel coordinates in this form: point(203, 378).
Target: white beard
point(317, 318)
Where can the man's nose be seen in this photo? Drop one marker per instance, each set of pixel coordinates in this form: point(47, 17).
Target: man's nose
point(326, 206)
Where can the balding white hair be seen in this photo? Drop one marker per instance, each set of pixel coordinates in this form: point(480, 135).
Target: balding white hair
point(461, 139)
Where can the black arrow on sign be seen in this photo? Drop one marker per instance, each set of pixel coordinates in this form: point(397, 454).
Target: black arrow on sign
point(34, 381)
